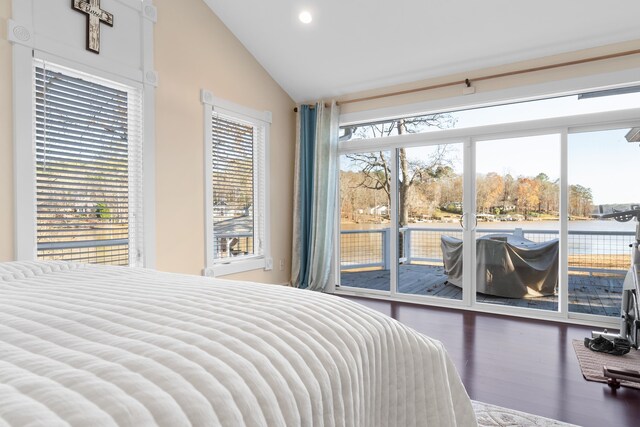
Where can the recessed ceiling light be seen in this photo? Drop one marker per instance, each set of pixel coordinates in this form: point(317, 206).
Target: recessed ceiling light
point(305, 17)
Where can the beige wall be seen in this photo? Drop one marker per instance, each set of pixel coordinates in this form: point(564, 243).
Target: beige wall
point(194, 50)
point(6, 135)
point(539, 77)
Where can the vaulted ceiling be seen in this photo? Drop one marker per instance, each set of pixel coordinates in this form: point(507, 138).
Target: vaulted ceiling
point(354, 45)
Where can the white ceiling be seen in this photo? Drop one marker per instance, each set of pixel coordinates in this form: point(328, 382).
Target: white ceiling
point(354, 45)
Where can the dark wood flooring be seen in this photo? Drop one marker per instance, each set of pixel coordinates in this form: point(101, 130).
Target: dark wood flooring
point(588, 293)
point(521, 364)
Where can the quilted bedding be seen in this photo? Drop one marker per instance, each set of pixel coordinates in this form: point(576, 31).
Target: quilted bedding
point(101, 346)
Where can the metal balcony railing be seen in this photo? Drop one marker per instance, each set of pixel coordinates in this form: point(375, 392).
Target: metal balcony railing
point(233, 244)
point(590, 251)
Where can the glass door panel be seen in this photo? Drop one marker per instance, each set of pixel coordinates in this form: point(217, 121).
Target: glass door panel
point(602, 178)
point(517, 231)
point(430, 191)
point(365, 255)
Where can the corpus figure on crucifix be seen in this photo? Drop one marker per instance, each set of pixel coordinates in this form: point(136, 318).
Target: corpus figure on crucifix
point(95, 15)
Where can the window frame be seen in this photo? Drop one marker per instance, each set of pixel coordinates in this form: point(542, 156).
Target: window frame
point(25, 162)
point(564, 125)
point(220, 267)
point(135, 147)
point(139, 73)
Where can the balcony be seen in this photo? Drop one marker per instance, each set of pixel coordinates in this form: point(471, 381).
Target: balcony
point(598, 261)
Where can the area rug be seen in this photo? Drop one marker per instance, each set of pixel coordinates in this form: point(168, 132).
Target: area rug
point(496, 416)
point(591, 363)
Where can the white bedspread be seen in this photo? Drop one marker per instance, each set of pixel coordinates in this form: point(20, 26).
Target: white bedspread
point(100, 346)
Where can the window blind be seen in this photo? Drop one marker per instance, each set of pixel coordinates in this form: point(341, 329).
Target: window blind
point(88, 168)
point(236, 179)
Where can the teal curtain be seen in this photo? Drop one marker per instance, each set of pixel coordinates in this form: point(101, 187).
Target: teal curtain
point(306, 142)
point(314, 196)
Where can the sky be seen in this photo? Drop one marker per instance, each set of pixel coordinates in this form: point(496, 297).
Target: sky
point(603, 161)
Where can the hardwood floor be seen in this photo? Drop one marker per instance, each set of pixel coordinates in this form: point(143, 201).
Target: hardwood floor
point(521, 364)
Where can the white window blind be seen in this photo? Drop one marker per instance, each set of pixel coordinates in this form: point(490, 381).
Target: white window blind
point(237, 186)
point(88, 143)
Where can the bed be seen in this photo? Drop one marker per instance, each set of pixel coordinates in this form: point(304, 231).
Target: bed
point(91, 345)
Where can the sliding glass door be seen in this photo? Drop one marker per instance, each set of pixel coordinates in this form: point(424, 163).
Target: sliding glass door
point(365, 224)
point(400, 220)
point(602, 180)
point(517, 248)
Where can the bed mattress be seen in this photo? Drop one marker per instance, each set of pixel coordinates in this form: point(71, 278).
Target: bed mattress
point(94, 345)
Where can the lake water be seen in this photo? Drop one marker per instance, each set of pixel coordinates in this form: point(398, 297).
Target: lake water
point(592, 225)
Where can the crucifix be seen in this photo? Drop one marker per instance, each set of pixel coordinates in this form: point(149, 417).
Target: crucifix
point(95, 15)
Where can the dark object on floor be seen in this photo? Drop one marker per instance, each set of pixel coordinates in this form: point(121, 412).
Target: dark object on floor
point(616, 347)
point(591, 363)
point(630, 310)
point(614, 375)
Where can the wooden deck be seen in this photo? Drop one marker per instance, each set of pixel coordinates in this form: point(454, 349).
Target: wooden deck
point(591, 294)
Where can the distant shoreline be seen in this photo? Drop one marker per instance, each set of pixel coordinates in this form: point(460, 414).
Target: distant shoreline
point(577, 225)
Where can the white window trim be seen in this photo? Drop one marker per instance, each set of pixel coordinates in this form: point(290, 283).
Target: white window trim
point(135, 162)
point(25, 47)
point(224, 267)
point(562, 126)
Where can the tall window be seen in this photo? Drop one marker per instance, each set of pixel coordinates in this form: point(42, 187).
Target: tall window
point(236, 205)
point(88, 154)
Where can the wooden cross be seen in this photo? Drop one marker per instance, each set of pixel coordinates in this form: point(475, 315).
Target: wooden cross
point(95, 15)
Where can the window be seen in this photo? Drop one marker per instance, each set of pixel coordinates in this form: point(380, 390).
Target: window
point(553, 107)
point(510, 212)
point(88, 162)
point(236, 149)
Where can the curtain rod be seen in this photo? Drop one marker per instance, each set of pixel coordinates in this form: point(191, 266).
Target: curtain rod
point(468, 81)
point(312, 106)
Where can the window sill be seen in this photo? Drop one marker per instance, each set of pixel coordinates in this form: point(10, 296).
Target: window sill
point(239, 266)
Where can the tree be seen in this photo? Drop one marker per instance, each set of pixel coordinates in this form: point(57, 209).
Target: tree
point(490, 188)
point(375, 167)
point(528, 195)
point(397, 126)
point(347, 195)
point(451, 189)
point(509, 195)
point(374, 172)
point(549, 193)
point(580, 200)
point(103, 211)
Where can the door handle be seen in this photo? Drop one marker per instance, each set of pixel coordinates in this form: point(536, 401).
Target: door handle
point(463, 220)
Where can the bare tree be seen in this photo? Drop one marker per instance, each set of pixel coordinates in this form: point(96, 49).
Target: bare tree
point(376, 166)
point(451, 189)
